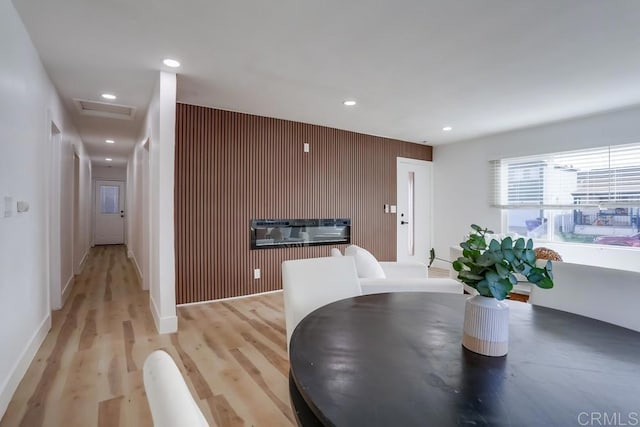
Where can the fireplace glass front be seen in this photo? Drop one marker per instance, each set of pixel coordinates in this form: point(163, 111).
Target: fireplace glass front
point(279, 233)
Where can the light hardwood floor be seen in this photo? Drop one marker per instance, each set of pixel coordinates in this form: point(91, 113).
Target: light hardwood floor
point(89, 369)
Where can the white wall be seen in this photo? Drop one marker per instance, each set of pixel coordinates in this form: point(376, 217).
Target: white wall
point(82, 229)
point(155, 236)
point(109, 173)
point(138, 203)
point(71, 244)
point(28, 103)
point(462, 185)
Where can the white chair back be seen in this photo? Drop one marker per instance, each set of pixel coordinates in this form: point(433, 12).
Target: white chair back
point(309, 284)
point(599, 293)
point(170, 400)
point(335, 252)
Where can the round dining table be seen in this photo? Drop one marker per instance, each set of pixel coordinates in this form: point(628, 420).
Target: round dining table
point(396, 359)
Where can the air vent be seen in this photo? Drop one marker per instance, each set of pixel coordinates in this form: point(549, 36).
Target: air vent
point(104, 109)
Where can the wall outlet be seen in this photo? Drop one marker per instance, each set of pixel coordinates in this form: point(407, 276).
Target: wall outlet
point(393, 209)
point(256, 273)
point(22, 206)
point(306, 147)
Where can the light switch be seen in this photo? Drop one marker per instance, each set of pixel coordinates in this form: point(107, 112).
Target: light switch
point(393, 209)
point(8, 206)
point(306, 147)
point(256, 273)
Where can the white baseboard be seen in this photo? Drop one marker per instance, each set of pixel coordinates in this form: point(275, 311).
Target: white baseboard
point(22, 364)
point(227, 299)
point(82, 262)
point(138, 271)
point(67, 290)
point(164, 325)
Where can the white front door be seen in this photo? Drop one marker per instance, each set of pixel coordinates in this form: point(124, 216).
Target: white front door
point(109, 224)
point(414, 210)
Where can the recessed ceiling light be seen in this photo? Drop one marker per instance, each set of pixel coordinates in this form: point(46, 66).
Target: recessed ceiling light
point(349, 103)
point(109, 141)
point(447, 128)
point(109, 96)
point(109, 159)
point(171, 63)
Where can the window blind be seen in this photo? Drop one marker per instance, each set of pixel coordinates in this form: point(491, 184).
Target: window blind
point(597, 177)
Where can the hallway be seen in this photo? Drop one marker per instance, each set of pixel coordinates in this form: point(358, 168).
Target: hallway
point(89, 368)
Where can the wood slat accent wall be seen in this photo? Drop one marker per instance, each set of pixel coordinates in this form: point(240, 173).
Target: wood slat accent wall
point(233, 167)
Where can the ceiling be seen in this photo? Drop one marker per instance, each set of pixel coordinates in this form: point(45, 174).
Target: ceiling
point(413, 66)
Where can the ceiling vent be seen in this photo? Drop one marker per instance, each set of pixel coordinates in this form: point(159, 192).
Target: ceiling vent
point(104, 109)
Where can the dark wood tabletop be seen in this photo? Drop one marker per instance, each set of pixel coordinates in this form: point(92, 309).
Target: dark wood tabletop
point(397, 360)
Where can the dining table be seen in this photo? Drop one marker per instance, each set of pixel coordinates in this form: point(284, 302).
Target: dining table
point(396, 359)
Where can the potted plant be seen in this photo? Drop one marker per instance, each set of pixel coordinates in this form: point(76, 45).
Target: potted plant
point(491, 270)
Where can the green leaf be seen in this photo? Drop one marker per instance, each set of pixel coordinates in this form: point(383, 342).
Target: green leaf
point(507, 243)
point(476, 227)
point(477, 242)
point(494, 245)
point(498, 290)
point(525, 269)
point(503, 271)
point(529, 244)
point(485, 260)
point(465, 274)
point(457, 265)
point(517, 253)
point(507, 284)
point(545, 283)
point(519, 243)
point(491, 276)
point(535, 276)
point(549, 266)
point(509, 255)
point(530, 256)
point(513, 279)
point(483, 288)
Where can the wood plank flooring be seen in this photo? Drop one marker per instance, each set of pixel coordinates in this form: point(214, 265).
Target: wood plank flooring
point(88, 371)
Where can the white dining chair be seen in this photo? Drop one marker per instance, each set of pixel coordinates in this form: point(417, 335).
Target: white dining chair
point(311, 283)
point(170, 400)
point(605, 294)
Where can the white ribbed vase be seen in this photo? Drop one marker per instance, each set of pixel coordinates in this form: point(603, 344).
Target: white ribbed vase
point(486, 326)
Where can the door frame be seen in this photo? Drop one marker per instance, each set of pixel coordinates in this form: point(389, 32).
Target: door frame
point(123, 197)
point(428, 165)
point(54, 269)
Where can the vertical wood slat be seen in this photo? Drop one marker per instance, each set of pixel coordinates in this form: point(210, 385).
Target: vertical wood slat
point(233, 167)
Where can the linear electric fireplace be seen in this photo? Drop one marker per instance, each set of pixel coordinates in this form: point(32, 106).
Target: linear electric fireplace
point(286, 233)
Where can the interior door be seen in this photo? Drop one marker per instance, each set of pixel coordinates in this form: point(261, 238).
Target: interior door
point(414, 178)
point(109, 220)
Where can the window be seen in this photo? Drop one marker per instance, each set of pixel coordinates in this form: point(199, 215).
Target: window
point(586, 196)
point(109, 199)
